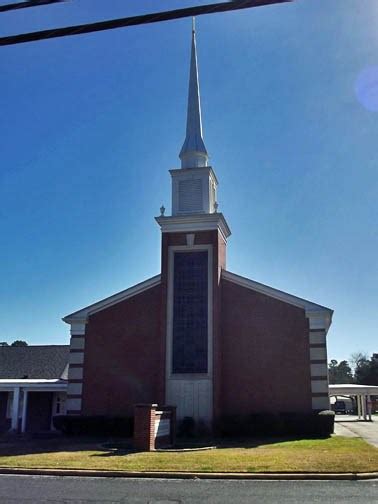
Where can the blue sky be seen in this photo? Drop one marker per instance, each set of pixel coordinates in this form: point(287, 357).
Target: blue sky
point(90, 126)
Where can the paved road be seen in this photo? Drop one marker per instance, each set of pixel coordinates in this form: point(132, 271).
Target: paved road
point(67, 490)
point(348, 425)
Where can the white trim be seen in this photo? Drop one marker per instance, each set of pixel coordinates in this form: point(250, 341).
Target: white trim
point(77, 343)
point(81, 316)
point(75, 388)
point(318, 353)
point(351, 389)
point(201, 382)
point(64, 375)
point(319, 319)
point(75, 373)
point(76, 358)
point(190, 239)
point(78, 328)
point(73, 404)
point(314, 312)
point(206, 176)
point(171, 251)
point(320, 403)
point(319, 370)
point(15, 407)
point(194, 222)
point(60, 399)
point(24, 411)
point(319, 386)
point(33, 387)
point(318, 338)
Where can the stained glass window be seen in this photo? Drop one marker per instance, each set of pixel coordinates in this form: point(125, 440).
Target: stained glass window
point(189, 342)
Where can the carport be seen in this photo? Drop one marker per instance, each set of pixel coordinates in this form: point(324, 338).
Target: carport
point(362, 393)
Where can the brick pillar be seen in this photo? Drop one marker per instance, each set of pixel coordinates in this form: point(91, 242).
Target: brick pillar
point(144, 427)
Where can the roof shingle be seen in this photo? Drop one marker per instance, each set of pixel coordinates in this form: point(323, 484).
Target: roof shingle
point(33, 362)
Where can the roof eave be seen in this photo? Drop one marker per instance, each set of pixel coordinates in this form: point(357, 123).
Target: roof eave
point(81, 316)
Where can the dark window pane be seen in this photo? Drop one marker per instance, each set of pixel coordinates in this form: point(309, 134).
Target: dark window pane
point(189, 345)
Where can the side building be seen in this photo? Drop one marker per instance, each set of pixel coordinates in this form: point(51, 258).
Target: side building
point(33, 384)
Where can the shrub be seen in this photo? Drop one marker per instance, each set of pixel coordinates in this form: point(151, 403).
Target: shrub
point(94, 425)
point(325, 423)
point(187, 427)
point(316, 424)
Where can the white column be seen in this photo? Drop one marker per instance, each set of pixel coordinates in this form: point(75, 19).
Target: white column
point(359, 406)
point(363, 402)
point(24, 411)
point(15, 405)
point(369, 407)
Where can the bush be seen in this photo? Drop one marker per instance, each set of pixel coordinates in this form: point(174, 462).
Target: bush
point(325, 423)
point(277, 424)
point(73, 425)
point(187, 427)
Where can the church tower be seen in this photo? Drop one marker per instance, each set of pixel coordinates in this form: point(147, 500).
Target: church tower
point(194, 241)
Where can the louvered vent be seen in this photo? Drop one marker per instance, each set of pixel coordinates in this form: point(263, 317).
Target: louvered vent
point(190, 195)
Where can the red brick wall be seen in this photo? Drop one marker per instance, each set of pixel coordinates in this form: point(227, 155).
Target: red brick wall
point(121, 358)
point(265, 354)
point(39, 411)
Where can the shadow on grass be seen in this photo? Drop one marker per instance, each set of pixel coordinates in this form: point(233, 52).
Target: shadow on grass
point(191, 444)
point(17, 445)
point(110, 447)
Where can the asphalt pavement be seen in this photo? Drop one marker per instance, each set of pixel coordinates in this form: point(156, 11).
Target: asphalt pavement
point(350, 426)
point(69, 490)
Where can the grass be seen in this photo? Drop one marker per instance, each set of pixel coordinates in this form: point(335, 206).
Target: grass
point(335, 454)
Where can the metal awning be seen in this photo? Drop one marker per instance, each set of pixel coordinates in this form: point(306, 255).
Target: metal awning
point(362, 393)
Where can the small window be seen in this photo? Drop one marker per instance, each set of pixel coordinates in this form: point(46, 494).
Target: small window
point(59, 404)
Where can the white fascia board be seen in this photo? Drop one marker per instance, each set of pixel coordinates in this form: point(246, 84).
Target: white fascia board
point(83, 314)
point(194, 222)
point(351, 389)
point(311, 309)
point(37, 385)
point(182, 172)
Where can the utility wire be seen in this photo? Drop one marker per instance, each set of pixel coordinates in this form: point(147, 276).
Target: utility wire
point(26, 4)
point(136, 20)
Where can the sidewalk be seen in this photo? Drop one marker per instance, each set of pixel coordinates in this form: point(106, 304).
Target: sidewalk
point(349, 426)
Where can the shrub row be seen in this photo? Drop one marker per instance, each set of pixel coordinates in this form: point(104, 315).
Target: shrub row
point(296, 424)
point(270, 424)
point(94, 425)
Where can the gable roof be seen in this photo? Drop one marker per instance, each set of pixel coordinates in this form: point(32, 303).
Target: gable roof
point(83, 314)
point(34, 362)
point(313, 310)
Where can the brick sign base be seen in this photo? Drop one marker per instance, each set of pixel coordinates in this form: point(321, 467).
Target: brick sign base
point(154, 427)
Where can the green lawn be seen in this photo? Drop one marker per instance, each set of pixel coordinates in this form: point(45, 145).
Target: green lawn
point(336, 454)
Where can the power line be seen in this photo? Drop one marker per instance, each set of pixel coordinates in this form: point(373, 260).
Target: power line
point(26, 4)
point(136, 20)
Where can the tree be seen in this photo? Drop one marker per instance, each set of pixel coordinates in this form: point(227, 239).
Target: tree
point(3, 343)
point(366, 372)
point(19, 343)
point(339, 372)
point(356, 358)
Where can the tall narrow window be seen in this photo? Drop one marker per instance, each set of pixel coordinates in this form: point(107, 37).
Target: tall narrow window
point(190, 308)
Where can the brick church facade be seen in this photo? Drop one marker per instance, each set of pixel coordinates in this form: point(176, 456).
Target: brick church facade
point(197, 336)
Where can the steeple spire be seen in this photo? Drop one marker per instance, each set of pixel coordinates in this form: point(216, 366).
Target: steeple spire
point(193, 153)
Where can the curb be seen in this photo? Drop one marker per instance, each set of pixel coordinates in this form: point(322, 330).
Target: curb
point(191, 475)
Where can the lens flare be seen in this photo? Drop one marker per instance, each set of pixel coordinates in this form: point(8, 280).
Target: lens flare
point(367, 88)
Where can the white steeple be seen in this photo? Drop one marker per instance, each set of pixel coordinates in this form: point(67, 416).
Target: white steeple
point(193, 153)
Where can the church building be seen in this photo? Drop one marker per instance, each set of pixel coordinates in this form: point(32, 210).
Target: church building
point(197, 336)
